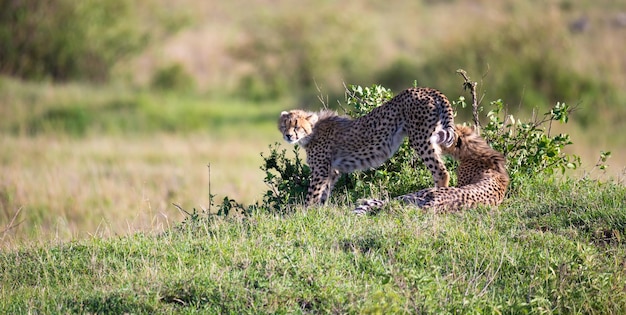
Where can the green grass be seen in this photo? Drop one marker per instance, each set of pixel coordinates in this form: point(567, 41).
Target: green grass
point(553, 246)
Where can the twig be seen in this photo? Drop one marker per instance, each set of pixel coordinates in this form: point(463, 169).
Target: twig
point(493, 277)
point(181, 209)
point(210, 196)
point(346, 94)
point(320, 96)
point(12, 224)
point(469, 85)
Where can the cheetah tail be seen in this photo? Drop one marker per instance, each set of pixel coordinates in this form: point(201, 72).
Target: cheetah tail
point(445, 130)
point(443, 137)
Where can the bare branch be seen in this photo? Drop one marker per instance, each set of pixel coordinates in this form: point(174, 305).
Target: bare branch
point(469, 85)
point(320, 96)
point(346, 93)
point(350, 94)
point(181, 209)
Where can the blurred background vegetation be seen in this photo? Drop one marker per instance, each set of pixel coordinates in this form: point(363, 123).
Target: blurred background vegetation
point(73, 73)
point(529, 53)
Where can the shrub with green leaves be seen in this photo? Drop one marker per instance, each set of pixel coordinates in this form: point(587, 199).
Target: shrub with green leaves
point(287, 179)
point(529, 147)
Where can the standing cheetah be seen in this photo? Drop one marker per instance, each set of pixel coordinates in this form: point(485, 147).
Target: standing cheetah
point(482, 178)
point(335, 144)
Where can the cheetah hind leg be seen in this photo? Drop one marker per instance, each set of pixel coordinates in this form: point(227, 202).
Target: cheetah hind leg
point(429, 151)
point(369, 206)
point(420, 199)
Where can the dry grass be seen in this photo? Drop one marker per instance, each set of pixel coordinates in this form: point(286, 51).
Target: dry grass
point(68, 188)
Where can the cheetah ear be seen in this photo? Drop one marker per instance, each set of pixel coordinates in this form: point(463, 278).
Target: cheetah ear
point(312, 118)
point(284, 113)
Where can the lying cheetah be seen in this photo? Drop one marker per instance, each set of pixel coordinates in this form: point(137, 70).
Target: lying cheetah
point(335, 144)
point(482, 178)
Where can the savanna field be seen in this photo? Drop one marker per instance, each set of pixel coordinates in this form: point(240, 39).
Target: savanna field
point(129, 130)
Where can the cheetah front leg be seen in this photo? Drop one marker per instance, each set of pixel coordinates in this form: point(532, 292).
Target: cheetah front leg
point(322, 180)
point(370, 206)
point(440, 173)
point(419, 198)
point(332, 180)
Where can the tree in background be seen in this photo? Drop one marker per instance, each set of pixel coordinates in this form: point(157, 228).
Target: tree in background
point(67, 40)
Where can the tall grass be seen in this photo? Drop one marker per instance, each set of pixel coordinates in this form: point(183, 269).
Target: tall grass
point(78, 109)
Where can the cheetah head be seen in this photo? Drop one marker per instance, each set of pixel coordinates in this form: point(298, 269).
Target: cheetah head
point(296, 125)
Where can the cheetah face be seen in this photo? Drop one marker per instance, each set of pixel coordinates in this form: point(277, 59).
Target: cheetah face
point(296, 124)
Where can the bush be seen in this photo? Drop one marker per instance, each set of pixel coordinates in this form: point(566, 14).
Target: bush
point(66, 39)
point(173, 77)
point(73, 120)
point(287, 179)
point(528, 146)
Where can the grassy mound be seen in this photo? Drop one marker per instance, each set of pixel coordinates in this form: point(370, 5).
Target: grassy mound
point(557, 246)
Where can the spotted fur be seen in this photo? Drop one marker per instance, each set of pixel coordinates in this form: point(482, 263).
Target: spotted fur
point(482, 179)
point(336, 144)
